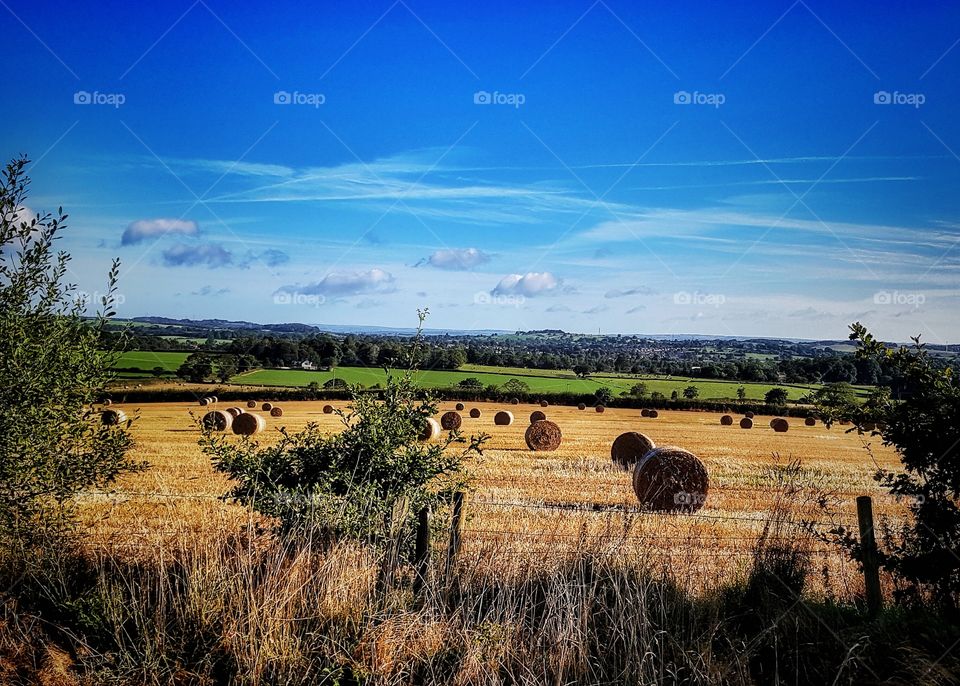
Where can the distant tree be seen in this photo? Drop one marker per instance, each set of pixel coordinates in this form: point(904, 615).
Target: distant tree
point(225, 368)
point(674, 395)
point(835, 401)
point(471, 383)
point(158, 371)
point(691, 392)
point(582, 370)
point(603, 395)
point(197, 368)
point(639, 390)
point(335, 383)
point(657, 395)
point(776, 396)
point(516, 387)
point(741, 393)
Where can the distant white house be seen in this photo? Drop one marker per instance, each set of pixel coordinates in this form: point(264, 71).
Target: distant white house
point(306, 364)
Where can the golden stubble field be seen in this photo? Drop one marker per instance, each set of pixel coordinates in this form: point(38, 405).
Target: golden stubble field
point(529, 507)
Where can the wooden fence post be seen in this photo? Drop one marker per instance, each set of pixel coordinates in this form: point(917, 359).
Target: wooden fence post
point(868, 547)
point(422, 554)
point(456, 524)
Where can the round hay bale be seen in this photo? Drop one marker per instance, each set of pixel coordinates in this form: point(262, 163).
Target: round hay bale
point(430, 431)
point(644, 412)
point(726, 420)
point(234, 411)
point(780, 425)
point(218, 420)
point(582, 406)
point(514, 401)
point(544, 403)
point(266, 407)
point(458, 407)
point(600, 408)
point(867, 427)
point(451, 420)
point(746, 423)
point(251, 403)
point(653, 414)
point(214, 399)
point(670, 479)
point(113, 417)
point(107, 402)
point(629, 448)
point(475, 413)
point(809, 421)
point(248, 424)
point(276, 412)
point(328, 409)
point(503, 418)
point(748, 414)
point(543, 436)
point(537, 416)
point(204, 402)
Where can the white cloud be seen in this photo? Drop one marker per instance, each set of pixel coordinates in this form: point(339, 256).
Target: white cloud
point(530, 284)
point(345, 283)
point(142, 229)
point(458, 258)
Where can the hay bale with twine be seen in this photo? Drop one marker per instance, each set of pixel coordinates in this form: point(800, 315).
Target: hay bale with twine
point(503, 418)
point(726, 420)
point(276, 412)
point(458, 407)
point(780, 425)
point(600, 408)
point(475, 413)
point(113, 417)
point(670, 479)
point(248, 424)
point(451, 420)
point(809, 421)
point(217, 420)
point(582, 406)
point(543, 436)
point(430, 431)
point(251, 403)
point(537, 416)
point(266, 407)
point(328, 409)
point(746, 423)
point(629, 448)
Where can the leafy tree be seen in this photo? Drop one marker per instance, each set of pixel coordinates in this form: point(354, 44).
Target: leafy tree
point(639, 390)
point(582, 370)
point(776, 396)
point(674, 395)
point(923, 427)
point(336, 383)
point(603, 395)
point(471, 383)
point(347, 484)
point(741, 393)
point(835, 401)
point(691, 392)
point(52, 371)
point(225, 368)
point(516, 387)
point(657, 395)
point(158, 371)
point(197, 368)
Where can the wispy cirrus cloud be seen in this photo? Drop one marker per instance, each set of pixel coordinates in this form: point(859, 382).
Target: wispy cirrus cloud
point(623, 293)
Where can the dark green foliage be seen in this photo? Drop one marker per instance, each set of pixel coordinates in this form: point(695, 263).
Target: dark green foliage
point(776, 396)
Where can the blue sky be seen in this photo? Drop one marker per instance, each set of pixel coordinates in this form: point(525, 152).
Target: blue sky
point(773, 169)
